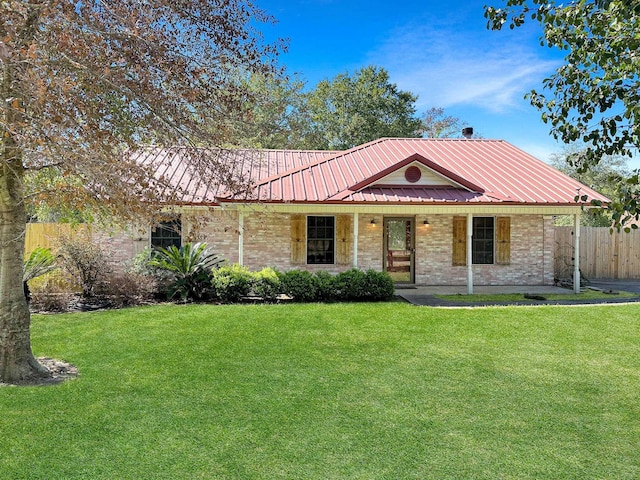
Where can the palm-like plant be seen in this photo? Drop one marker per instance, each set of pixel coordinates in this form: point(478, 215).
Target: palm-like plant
point(40, 261)
point(190, 266)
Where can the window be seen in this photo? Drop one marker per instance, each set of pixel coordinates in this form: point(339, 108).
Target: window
point(483, 240)
point(320, 240)
point(166, 234)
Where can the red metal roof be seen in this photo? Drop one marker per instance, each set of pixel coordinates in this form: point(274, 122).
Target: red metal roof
point(479, 171)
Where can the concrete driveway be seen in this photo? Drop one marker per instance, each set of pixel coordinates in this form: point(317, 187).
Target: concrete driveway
point(614, 284)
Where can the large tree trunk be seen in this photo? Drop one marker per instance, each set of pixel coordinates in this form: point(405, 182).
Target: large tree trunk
point(17, 363)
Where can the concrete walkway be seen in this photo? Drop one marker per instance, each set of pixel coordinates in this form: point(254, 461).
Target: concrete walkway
point(426, 295)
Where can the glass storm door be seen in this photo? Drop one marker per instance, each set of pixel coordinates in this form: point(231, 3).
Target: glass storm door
point(399, 251)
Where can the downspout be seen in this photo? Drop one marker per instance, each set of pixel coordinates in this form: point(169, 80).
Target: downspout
point(576, 255)
point(469, 255)
point(355, 240)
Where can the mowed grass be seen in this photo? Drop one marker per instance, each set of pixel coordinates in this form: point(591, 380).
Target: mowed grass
point(360, 391)
point(589, 295)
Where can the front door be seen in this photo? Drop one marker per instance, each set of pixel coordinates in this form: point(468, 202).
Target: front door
point(399, 251)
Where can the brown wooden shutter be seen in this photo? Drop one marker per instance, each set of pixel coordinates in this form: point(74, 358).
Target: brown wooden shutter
point(459, 241)
point(298, 239)
point(343, 239)
point(503, 241)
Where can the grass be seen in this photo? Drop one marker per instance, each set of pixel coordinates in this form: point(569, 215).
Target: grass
point(519, 297)
point(368, 391)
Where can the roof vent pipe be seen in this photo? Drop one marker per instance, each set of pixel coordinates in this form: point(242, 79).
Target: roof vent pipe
point(467, 132)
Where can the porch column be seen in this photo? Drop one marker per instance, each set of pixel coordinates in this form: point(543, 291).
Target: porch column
point(240, 238)
point(469, 255)
point(576, 254)
point(355, 240)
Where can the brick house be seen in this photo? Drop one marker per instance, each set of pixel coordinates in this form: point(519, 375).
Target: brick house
point(428, 211)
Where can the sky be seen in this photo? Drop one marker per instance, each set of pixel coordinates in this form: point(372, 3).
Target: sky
point(440, 51)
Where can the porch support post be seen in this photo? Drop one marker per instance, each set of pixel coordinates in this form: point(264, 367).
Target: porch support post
point(469, 255)
point(576, 254)
point(240, 238)
point(355, 240)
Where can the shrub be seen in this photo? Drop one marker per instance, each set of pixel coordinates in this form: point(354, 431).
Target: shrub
point(86, 261)
point(231, 283)
point(325, 287)
point(191, 268)
point(350, 285)
point(301, 285)
point(161, 278)
point(266, 284)
point(128, 289)
point(42, 301)
point(356, 285)
point(379, 285)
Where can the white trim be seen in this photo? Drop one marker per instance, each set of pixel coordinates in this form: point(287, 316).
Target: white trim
point(469, 254)
point(576, 255)
point(407, 209)
point(356, 228)
point(241, 238)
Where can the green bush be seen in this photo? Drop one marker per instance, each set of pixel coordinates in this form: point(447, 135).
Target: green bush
point(191, 268)
point(325, 287)
point(356, 285)
point(266, 284)
point(350, 285)
point(301, 285)
point(231, 283)
point(379, 285)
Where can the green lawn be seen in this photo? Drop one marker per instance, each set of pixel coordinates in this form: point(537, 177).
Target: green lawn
point(361, 391)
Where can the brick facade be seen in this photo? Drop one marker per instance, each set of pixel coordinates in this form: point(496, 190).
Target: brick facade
point(267, 239)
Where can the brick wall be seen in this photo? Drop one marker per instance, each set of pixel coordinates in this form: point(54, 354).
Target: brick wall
point(219, 228)
point(531, 254)
point(267, 238)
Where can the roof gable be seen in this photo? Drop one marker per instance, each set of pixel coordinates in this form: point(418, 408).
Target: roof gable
point(417, 171)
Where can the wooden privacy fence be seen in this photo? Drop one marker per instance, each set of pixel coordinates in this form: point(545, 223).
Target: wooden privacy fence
point(50, 235)
point(602, 254)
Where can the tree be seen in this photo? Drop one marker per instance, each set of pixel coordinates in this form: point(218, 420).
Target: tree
point(594, 95)
point(277, 118)
point(352, 110)
point(607, 177)
point(435, 124)
point(81, 83)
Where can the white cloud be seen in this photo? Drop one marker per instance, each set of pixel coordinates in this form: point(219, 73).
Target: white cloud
point(448, 68)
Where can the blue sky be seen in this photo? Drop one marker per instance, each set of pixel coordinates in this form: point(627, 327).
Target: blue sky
point(441, 51)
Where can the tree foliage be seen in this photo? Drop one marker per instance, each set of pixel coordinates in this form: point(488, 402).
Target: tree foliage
point(436, 124)
point(607, 177)
point(350, 110)
point(594, 96)
point(81, 83)
point(277, 117)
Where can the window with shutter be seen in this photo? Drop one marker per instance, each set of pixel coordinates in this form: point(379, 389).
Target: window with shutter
point(321, 234)
point(483, 240)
